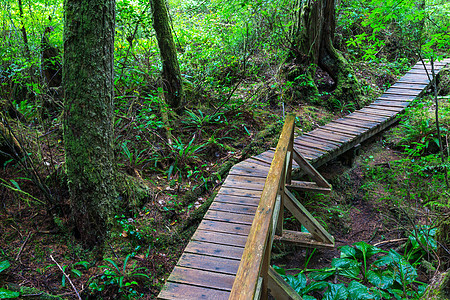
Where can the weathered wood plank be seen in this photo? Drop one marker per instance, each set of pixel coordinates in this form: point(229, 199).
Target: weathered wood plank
point(216, 250)
point(234, 208)
point(392, 103)
point(229, 191)
point(386, 107)
point(226, 227)
point(209, 263)
point(309, 137)
point(308, 186)
point(207, 279)
point(219, 238)
point(232, 218)
point(236, 199)
point(356, 123)
point(177, 291)
point(303, 239)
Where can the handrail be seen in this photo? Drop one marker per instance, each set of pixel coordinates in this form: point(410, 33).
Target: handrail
point(256, 257)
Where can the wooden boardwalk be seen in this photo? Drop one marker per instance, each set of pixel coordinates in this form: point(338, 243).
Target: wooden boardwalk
point(208, 266)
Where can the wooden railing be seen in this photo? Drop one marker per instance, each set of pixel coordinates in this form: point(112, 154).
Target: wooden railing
point(255, 276)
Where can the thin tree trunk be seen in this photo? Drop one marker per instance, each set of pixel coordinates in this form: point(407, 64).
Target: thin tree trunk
point(88, 115)
point(24, 31)
point(171, 75)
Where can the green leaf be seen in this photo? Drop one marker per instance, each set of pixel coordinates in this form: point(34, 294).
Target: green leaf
point(335, 292)
point(298, 283)
point(380, 279)
point(347, 267)
point(76, 272)
point(321, 275)
point(348, 252)
point(5, 294)
point(366, 249)
point(307, 297)
point(4, 265)
point(358, 291)
point(315, 286)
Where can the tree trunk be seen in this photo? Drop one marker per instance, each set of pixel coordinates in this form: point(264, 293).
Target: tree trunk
point(312, 36)
point(171, 75)
point(24, 31)
point(88, 115)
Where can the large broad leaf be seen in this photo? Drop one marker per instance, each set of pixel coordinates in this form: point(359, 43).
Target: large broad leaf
point(335, 292)
point(4, 265)
point(321, 275)
point(298, 283)
point(358, 291)
point(380, 279)
point(384, 261)
point(315, 286)
point(347, 267)
point(5, 294)
point(425, 238)
point(348, 252)
point(364, 249)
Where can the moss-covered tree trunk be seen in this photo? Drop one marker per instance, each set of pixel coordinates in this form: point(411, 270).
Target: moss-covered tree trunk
point(312, 37)
point(171, 75)
point(88, 115)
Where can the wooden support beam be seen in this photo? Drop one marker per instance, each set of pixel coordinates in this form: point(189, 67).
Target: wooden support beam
point(310, 170)
point(303, 239)
point(279, 288)
point(308, 186)
point(305, 217)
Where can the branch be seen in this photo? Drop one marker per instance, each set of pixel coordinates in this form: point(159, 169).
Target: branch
point(70, 281)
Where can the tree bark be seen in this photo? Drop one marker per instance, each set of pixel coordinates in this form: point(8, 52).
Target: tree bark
point(24, 31)
point(171, 75)
point(312, 36)
point(88, 115)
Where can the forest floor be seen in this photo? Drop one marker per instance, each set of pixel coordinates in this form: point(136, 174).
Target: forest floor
point(41, 248)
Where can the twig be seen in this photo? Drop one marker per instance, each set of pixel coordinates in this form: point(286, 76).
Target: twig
point(23, 245)
point(64, 273)
point(390, 241)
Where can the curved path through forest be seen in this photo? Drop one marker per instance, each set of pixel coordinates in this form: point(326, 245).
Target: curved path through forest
point(208, 266)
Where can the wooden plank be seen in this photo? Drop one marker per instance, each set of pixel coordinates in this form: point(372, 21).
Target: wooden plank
point(327, 137)
point(376, 112)
point(348, 129)
point(266, 156)
point(317, 140)
point(315, 145)
point(418, 87)
point(399, 91)
point(396, 98)
point(219, 238)
point(279, 288)
point(226, 227)
point(228, 217)
point(357, 123)
point(253, 183)
point(244, 170)
point(216, 250)
point(366, 117)
point(235, 199)
point(229, 191)
point(308, 186)
point(303, 239)
point(309, 149)
point(209, 263)
point(258, 162)
point(177, 291)
point(307, 220)
point(386, 107)
point(308, 155)
point(207, 279)
point(395, 94)
point(233, 208)
point(392, 103)
point(333, 132)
